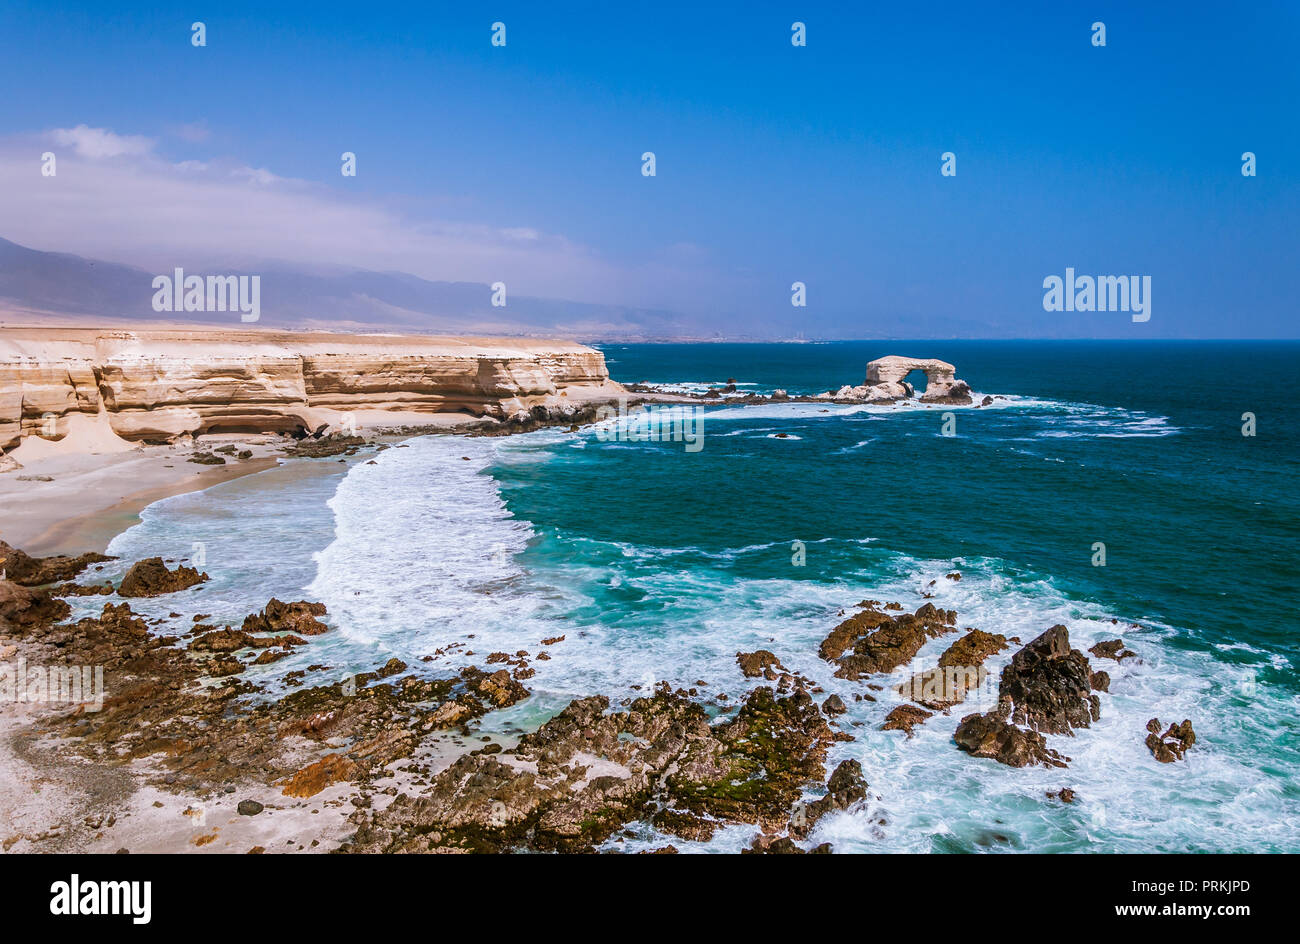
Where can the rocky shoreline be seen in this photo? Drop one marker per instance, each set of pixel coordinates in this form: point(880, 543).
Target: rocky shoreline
point(385, 760)
point(389, 752)
point(886, 383)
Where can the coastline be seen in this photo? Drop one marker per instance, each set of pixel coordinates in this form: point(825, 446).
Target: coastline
point(53, 799)
point(57, 799)
point(92, 496)
point(975, 589)
point(76, 514)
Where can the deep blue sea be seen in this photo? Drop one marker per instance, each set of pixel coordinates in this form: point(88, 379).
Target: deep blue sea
point(660, 563)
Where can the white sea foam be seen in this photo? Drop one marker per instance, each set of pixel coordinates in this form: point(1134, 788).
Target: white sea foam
point(425, 554)
point(704, 386)
point(932, 796)
point(419, 550)
point(804, 410)
point(856, 446)
point(410, 575)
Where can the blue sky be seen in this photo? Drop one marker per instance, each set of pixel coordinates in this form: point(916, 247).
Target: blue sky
point(774, 163)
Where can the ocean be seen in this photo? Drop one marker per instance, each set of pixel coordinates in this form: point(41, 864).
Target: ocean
point(659, 563)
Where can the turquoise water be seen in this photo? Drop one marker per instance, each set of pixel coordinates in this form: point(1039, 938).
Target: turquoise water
point(659, 563)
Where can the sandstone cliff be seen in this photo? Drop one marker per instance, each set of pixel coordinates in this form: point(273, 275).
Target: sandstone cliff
point(158, 384)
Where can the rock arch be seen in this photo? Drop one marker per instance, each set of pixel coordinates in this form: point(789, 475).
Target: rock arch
point(886, 380)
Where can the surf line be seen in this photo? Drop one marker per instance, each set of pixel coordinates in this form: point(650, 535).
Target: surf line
point(639, 423)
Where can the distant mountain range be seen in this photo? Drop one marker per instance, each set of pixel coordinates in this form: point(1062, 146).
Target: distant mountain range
point(36, 285)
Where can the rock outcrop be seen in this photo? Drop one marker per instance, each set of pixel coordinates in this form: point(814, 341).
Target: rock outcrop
point(992, 735)
point(150, 578)
point(158, 702)
point(1113, 649)
point(23, 607)
point(277, 617)
point(959, 672)
point(583, 774)
point(904, 718)
point(877, 642)
point(887, 381)
point(1050, 685)
point(30, 571)
point(1047, 687)
point(161, 384)
point(759, 663)
point(1173, 744)
point(973, 649)
point(845, 787)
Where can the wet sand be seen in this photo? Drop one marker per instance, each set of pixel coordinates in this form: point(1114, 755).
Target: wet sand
point(92, 498)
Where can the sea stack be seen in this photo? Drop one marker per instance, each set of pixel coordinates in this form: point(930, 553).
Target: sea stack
point(886, 382)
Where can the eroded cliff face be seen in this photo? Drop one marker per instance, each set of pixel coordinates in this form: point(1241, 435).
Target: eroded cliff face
point(159, 384)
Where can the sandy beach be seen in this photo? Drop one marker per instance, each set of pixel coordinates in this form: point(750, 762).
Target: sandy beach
point(77, 503)
point(71, 498)
point(81, 475)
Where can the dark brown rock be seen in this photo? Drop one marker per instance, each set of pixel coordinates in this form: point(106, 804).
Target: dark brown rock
point(28, 571)
point(845, 787)
point(1173, 744)
point(222, 640)
point(334, 444)
point(848, 632)
point(783, 845)
point(881, 643)
point(150, 578)
point(990, 735)
point(658, 758)
point(757, 664)
point(392, 667)
point(1112, 649)
point(87, 590)
point(223, 666)
point(904, 718)
point(973, 648)
point(834, 705)
point(1050, 686)
point(23, 609)
point(499, 689)
point(299, 617)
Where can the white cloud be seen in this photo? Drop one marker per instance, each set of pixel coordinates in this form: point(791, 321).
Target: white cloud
point(258, 175)
point(97, 143)
point(195, 132)
point(145, 211)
